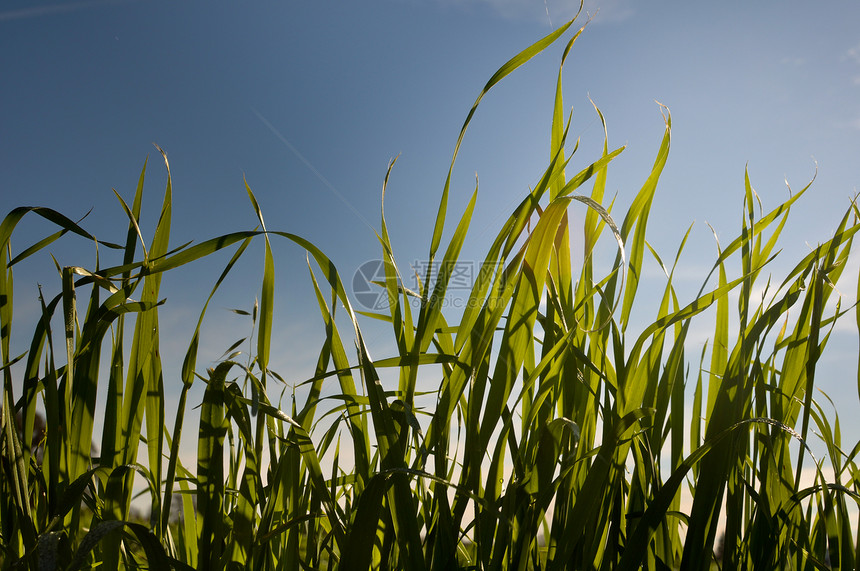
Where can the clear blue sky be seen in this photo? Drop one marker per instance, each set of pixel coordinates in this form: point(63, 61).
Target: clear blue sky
point(310, 100)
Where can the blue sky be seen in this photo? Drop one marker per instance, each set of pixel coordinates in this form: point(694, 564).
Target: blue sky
point(310, 100)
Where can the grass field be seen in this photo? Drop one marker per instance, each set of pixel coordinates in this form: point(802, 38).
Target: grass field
point(561, 434)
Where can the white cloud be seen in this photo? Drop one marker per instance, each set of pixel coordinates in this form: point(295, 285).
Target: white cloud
point(854, 53)
point(518, 9)
point(609, 11)
point(847, 123)
point(795, 61)
point(554, 11)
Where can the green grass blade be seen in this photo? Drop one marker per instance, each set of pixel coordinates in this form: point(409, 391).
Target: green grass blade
point(502, 72)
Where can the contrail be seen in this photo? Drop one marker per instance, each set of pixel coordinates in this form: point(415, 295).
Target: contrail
point(311, 167)
point(51, 9)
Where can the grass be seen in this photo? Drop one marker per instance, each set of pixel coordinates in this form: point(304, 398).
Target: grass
point(560, 436)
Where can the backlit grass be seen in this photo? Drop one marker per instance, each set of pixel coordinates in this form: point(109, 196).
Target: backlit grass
point(562, 434)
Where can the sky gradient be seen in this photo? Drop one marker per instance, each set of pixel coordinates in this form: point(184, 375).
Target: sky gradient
point(308, 102)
